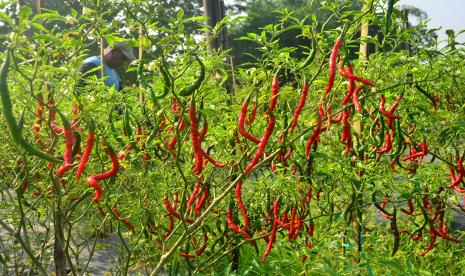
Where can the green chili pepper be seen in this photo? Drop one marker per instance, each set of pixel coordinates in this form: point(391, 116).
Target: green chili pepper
point(77, 142)
point(395, 232)
point(381, 133)
point(10, 119)
point(309, 59)
point(400, 141)
point(126, 122)
point(378, 206)
point(113, 130)
point(153, 133)
point(188, 90)
point(425, 216)
point(140, 75)
point(166, 82)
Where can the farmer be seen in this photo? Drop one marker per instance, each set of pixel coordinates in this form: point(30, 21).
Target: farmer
point(113, 57)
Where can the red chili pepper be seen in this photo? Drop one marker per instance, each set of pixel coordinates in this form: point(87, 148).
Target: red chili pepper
point(314, 137)
point(417, 237)
point(297, 229)
point(87, 152)
point(240, 203)
point(355, 101)
point(321, 111)
point(163, 122)
point(460, 175)
point(395, 105)
point(346, 136)
point(238, 141)
point(241, 122)
point(332, 65)
point(196, 144)
point(123, 220)
point(285, 218)
point(236, 229)
point(74, 121)
point(201, 203)
point(421, 154)
point(94, 179)
point(311, 228)
point(68, 154)
point(410, 207)
point(388, 146)
point(294, 170)
point(172, 143)
point(261, 146)
point(58, 130)
point(170, 226)
point(392, 163)
point(443, 232)
point(272, 238)
point(345, 126)
point(211, 160)
point(204, 131)
point(292, 223)
point(300, 106)
point(40, 105)
point(199, 251)
point(432, 242)
point(252, 115)
point(383, 206)
point(288, 154)
point(351, 88)
point(389, 115)
point(129, 147)
point(350, 75)
point(274, 92)
point(348, 146)
point(193, 195)
point(338, 118)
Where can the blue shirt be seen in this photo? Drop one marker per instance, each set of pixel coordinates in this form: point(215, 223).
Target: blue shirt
point(111, 76)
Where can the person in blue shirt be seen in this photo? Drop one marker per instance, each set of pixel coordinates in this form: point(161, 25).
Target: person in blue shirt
point(113, 57)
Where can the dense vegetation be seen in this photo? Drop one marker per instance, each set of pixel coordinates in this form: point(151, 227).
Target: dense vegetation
point(319, 160)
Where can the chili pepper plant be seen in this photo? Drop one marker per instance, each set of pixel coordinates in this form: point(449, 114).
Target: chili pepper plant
point(333, 163)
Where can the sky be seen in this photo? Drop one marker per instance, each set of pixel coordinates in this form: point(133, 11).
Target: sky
point(448, 14)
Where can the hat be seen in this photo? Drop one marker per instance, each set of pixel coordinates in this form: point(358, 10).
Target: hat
point(125, 49)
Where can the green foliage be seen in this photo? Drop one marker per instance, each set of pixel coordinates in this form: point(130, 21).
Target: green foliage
point(332, 187)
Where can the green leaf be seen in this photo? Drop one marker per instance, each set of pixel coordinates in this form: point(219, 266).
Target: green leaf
point(180, 14)
point(196, 18)
point(111, 39)
point(74, 12)
point(6, 18)
point(24, 13)
point(39, 27)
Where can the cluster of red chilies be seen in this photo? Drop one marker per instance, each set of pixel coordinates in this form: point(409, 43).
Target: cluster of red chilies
point(426, 210)
point(293, 225)
point(68, 158)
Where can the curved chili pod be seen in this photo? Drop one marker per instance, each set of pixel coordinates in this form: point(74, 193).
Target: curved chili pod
point(241, 123)
point(261, 146)
point(87, 152)
point(332, 64)
point(299, 107)
point(309, 59)
point(188, 90)
point(68, 154)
